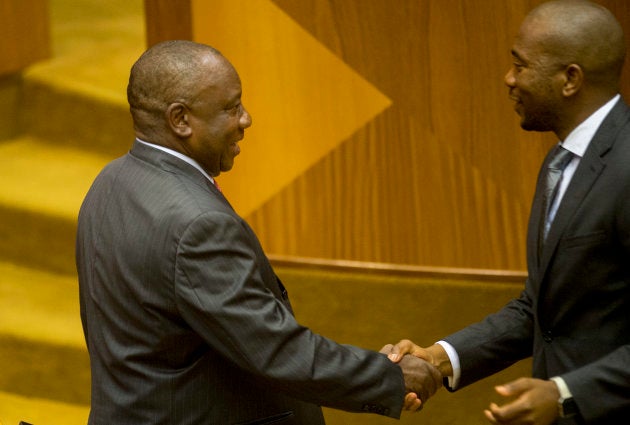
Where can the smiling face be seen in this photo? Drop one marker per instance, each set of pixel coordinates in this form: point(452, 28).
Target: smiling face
point(567, 59)
point(186, 96)
point(535, 80)
point(216, 117)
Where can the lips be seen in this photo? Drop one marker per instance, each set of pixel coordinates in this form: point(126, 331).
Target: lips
point(517, 102)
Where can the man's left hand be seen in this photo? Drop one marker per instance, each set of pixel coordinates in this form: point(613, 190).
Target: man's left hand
point(534, 401)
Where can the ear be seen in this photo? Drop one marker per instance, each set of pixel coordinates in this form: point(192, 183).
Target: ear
point(177, 116)
point(574, 78)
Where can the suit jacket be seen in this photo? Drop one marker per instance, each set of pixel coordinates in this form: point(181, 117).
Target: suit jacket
point(185, 320)
point(574, 315)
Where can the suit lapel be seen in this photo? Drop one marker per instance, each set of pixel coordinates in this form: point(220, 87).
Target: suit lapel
point(588, 171)
point(590, 168)
point(177, 166)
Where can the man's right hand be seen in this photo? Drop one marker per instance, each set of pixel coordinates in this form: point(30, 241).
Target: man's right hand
point(421, 377)
point(435, 354)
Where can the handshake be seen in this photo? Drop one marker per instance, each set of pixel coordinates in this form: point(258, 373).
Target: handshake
point(423, 370)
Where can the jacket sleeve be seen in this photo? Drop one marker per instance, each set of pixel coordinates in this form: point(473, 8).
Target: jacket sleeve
point(498, 341)
point(222, 296)
point(609, 379)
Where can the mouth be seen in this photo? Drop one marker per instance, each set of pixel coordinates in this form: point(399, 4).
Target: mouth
point(517, 103)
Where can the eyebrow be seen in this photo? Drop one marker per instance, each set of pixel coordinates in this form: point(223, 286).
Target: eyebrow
point(234, 99)
point(516, 55)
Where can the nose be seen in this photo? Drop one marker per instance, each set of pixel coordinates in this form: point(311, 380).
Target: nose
point(246, 119)
point(509, 77)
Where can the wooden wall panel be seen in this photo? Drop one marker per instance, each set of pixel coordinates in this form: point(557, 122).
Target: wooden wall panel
point(304, 99)
point(167, 20)
point(441, 176)
point(446, 174)
point(24, 33)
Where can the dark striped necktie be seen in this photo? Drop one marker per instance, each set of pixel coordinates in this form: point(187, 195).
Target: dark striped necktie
point(559, 161)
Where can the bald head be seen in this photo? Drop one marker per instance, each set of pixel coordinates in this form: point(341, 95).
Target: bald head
point(584, 33)
point(166, 73)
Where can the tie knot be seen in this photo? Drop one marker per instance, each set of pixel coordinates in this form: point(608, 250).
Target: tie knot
point(561, 158)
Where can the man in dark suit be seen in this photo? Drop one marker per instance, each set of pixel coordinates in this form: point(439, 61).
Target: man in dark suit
point(184, 318)
point(574, 315)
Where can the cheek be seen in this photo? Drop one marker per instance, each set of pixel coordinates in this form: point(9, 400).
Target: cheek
point(533, 92)
point(525, 84)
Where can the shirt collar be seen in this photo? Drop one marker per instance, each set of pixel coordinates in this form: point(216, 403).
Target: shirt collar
point(179, 155)
point(578, 140)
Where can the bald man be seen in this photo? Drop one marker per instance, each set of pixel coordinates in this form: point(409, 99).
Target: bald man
point(573, 317)
point(184, 318)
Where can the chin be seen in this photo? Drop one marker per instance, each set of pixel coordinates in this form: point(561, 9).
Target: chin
point(226, 167)
point(529, 124)
point(535, 126)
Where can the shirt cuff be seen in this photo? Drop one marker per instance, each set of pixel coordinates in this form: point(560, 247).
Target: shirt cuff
point(563, 388)
point(453, 381)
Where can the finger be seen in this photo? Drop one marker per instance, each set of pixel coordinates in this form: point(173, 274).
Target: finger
point(386, 349)
point(504, 390)
point(496, 413)
point(412, 402)
point(399, 350)
point(490, 417)
point(507, 413)
point(514, 388)
point(416, 406)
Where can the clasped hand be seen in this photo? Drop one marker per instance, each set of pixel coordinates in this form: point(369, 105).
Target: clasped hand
point(532, 401)
point(422, 379)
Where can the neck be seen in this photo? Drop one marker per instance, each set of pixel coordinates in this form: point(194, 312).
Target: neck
point(581, 109)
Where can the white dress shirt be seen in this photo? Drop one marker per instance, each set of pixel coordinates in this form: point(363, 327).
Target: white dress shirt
point(180, 156)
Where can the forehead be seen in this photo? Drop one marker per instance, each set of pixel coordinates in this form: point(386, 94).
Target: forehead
point(219, 79)
point(530, 42)
point(216, 68)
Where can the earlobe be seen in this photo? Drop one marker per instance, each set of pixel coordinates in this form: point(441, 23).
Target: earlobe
point(574, 78)
point(177, 118)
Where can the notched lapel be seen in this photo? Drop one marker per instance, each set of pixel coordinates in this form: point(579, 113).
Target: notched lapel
point(588, 171)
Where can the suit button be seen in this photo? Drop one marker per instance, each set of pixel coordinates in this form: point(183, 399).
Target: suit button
point(374, 408)
point(548, 336)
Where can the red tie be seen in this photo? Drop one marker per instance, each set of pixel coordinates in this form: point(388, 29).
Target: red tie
point(216, 184)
